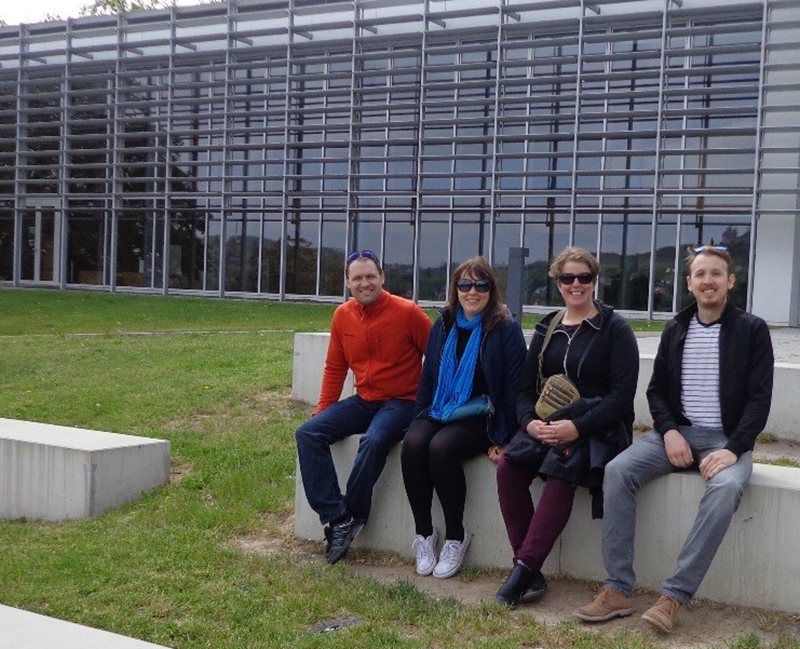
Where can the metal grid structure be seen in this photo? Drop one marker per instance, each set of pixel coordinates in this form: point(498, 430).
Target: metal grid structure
point(246, 147)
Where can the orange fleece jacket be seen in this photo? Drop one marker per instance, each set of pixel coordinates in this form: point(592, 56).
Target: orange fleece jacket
point(383, 344)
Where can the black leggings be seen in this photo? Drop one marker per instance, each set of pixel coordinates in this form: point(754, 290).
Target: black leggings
point(432, 458)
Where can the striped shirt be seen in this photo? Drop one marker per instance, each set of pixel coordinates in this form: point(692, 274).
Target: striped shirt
point(700, 375)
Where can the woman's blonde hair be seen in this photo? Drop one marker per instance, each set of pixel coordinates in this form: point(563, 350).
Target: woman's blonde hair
point(573, 253)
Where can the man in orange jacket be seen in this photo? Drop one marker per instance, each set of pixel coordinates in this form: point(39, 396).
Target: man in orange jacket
point(382, 338)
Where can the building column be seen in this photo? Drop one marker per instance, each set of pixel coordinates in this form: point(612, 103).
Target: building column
point(776, 270)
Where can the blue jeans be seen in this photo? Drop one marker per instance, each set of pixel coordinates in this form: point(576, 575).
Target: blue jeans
point(644, 461)
point(383, 424)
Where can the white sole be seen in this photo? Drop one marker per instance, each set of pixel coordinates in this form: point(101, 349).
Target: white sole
point(425, 573)
point(454, 571)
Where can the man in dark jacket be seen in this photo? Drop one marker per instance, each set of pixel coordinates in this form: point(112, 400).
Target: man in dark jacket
point(709, 396)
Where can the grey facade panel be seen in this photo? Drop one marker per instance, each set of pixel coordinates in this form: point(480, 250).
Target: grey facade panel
point(247, 147)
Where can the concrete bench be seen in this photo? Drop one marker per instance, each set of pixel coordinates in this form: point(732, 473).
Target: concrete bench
point(34, 631)
point(784, 420)
point(756, 565)
point(784, 417)
point(57, 473)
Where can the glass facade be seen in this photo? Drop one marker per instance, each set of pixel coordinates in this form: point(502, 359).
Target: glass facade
point(246, 148)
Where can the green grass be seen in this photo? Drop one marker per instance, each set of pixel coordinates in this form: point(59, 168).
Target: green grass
point(29, 312)
point(779, 461)
point(169, 568)
point(61, 312)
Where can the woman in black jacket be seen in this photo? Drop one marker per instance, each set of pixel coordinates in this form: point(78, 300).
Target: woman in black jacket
point(596, 349)
point(475, 352)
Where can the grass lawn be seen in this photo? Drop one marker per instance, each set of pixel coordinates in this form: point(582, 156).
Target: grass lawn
point(167, 569)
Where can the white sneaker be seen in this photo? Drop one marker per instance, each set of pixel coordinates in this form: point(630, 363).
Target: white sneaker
point(452, 557)
point(426, 552)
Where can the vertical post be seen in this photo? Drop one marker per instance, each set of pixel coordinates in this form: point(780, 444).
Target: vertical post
point(227, 185)
point(286, 197)
point(19, 157)
point(516, 269)
point(757, 162)
point(576, 125)
point(658, 161)
point(116, 153)
point(166, 234)
point(420, 147)
point(353, 151)
point(60, 247)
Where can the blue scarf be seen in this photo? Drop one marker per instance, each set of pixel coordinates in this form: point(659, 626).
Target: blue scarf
point(454, 386)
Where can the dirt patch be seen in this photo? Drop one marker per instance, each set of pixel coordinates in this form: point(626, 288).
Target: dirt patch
point(770, 447)
point(277, 537)
point(702, 624)
point(258, 404)
point(178, 472)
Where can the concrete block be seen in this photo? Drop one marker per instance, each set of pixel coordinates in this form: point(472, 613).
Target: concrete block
point(640, 407)
point(391, 524)
point(755, 566)
point(56, 473)
point(33, 631)
point(784, 416)
point(784, 420)
point(310, 351)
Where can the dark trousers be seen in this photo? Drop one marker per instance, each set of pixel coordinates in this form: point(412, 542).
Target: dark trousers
point(432, 458)
point(532, 531)
point(382, 424)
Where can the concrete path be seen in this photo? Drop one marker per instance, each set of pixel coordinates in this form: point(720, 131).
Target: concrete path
point(23, 630)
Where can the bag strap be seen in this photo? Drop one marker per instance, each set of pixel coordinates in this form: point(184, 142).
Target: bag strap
point(557, 318)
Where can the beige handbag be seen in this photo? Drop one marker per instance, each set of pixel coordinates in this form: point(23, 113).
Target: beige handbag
point(558, 391)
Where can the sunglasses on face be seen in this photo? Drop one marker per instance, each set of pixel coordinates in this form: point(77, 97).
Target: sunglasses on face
point(583, 278)
point(481, 285)
point(703, 248)
point(364, 253)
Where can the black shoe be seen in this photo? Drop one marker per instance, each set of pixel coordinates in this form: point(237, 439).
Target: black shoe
point(536, 589)
point(340, 536)
point(510, 593)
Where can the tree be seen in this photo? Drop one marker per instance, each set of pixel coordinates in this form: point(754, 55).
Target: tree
point(105, 7)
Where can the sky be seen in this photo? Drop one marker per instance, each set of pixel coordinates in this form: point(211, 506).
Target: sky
point(13, 12)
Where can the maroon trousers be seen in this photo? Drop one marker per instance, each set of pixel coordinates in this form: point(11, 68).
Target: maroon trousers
point(532, 531)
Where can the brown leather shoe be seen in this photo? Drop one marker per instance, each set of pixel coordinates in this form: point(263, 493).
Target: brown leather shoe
point(663, 613)
point(607, 604)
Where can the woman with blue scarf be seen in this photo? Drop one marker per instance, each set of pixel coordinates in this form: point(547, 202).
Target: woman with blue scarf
point(466, 406)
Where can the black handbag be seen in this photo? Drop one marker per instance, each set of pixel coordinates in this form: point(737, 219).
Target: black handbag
point(523, 449)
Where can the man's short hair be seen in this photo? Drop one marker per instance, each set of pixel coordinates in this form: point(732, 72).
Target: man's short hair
point(692, 252)
point(362, 254)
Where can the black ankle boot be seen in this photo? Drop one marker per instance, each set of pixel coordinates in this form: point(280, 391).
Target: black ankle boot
point(510, 593)
point(537, 587)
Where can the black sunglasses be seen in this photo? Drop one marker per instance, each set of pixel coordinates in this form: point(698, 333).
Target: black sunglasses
point(481, 285)
point(703, 248)
point(364, 253)
point(583, 278)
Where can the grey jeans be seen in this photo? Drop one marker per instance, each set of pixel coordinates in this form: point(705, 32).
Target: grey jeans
point(644, 461)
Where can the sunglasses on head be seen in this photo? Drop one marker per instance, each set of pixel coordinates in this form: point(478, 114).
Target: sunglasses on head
point(364, 253)
point(703, 248)
point(583, 278)
point(481, 285)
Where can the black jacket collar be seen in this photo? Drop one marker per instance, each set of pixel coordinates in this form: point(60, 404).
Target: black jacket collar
point(684, 317)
